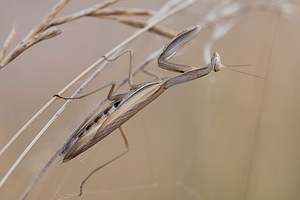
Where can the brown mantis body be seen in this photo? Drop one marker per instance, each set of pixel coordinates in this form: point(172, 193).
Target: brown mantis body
point(124, 106)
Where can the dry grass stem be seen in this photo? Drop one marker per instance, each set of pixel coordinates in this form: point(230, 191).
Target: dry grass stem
point(50, 33)
point(82, 13)
point(47, 19)
point(7, 44)
point(30, 39)
point(160, 30)
point(124, 11)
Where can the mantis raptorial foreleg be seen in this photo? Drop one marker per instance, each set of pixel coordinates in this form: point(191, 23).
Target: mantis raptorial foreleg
point(115, 158)
point(176, 45)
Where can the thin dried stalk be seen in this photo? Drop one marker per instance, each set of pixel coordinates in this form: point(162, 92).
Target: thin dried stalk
point(95, 12)
point(7, 44)
point(82, 13)
point(47, 20)
point(124, 11)
point(140, 24)
point(50, 33)
point(35, 35)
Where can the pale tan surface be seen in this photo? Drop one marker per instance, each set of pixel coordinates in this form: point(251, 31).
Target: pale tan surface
point(227, 136)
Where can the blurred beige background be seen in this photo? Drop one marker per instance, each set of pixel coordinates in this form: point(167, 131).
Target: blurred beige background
point(226, 136)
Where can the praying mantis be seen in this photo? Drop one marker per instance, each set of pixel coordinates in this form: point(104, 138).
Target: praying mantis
point(124, 106)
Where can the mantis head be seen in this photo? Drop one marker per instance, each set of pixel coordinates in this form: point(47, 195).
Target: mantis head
point(216, 65)
point(215, 62)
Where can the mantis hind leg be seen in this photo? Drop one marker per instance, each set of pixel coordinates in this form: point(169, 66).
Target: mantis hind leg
point(115, 158)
